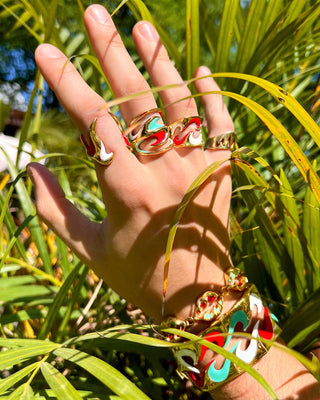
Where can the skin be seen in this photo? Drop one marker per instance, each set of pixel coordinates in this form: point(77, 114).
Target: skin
point(141, 194)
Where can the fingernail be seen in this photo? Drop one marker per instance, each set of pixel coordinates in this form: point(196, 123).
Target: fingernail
point(99, 14)
point(49, 51)
point(203, 70)
point(148, 31)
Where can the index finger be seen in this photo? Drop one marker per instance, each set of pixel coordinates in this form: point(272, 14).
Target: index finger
point(84, 105)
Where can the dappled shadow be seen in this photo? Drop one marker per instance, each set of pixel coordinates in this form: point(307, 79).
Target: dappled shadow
point(207, 238)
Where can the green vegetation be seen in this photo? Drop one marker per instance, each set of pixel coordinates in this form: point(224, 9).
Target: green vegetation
point(265, 57)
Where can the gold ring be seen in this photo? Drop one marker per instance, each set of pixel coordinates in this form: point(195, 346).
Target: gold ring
point(225, 141)
point(95, 148)
point(146, 127)
point(186, 132)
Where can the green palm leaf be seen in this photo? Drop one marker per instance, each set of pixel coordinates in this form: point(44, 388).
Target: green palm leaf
point(108, 375)
point(192, 37)
point(226, 33)
point(11, 380)
point(59, 384)
point(14, 356)
point(23, 392)
point(57, 303)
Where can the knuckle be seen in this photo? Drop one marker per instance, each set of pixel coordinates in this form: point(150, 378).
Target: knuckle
point(112, 38)
point(134, 83)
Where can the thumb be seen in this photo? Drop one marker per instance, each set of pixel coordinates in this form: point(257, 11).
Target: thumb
point(80, 234)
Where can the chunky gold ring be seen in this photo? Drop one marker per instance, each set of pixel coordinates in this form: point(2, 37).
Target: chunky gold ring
point(225, 141)
point(146, 127)
point(95, 148)
point(120, 127)
point(186, 132)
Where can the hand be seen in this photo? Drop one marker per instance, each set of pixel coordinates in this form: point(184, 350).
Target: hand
point(141, 193)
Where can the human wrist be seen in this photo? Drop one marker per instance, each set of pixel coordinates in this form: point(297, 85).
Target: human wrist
point(211, 305)
point(208, 370)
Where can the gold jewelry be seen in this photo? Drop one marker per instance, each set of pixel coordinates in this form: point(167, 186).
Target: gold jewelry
point(95, 148)
point(209, 306)
point(186, 132)
point(225, 141)
point(190, 354)
point(148, 126)
point(120, 127)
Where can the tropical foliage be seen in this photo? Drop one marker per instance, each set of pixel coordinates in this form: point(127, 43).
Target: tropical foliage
point(265, 57)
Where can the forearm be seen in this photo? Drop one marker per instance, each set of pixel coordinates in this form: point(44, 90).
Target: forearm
point(210, 370)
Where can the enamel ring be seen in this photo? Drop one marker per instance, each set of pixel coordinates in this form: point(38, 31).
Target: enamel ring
point(95, 148)
point(148, 135)
point(225, 141)
point(120, 127)
point(186, 132)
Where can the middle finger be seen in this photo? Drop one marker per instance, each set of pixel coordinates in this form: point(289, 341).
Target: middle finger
point(162, 72)
point(121, 72)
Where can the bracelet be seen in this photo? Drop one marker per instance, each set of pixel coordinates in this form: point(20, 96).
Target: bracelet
point(190, 354)
point(208, 306)
point(208, 377)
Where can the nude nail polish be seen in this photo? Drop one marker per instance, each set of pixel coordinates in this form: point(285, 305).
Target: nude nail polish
point(49, 51)
point(99, 14)
point(148, 31)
